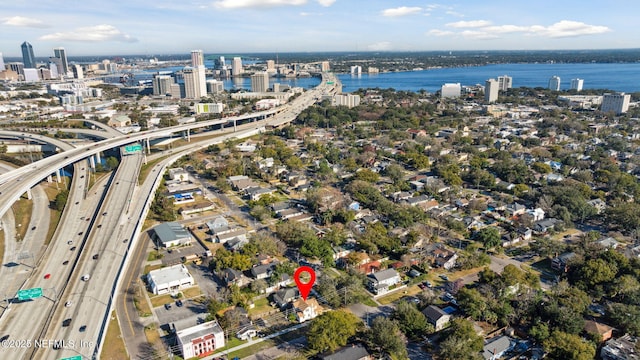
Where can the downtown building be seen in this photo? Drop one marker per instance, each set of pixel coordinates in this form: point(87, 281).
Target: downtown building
point(195, 86)
point(260, 82)
point(450, 90)
point(162, 84)
point(505, 82)
point(63, 64)
point(28, 59)
point(577, 84)
point(491, 88)
point(236, 66)
point(617, 103)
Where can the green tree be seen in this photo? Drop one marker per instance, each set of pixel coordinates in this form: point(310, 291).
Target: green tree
point(460, 342)
point(61, 200)
point(489, 237)
point(563, 346)
point(412, 322)
point(367, 176)
point(332, 330)
point(385, 336)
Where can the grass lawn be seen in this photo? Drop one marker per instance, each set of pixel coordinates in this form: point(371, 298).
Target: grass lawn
point(54, 215)
point(369, 302)
point(148, 268)
point(153, 337)
point(261, 306)
point(160, 300)
point(388, 299)
point(142, 305)
point(22, 210)
point(146, 168)
point(154, 255)
point(113, 348)
point(191, 292)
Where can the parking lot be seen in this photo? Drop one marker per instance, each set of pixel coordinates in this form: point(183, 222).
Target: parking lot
point(189, 314)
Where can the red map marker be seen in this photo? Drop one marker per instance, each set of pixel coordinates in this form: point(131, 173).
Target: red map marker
point(304, 288)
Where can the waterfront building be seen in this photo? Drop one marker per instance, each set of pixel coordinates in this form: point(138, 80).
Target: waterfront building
point(348, 100)
point(324, 66)
point(2, 67)
point(450, 90)
point(162, 84)
point(373, 70)
point(356, 70)
point(504, 82)
point(215, 86)
point(60, 53)
point(271, 66)
point(28, 59)
point(491, 87)
point(260, 82)
point(577, 84)
point(236, 66)
point(194, 83)
point(197, 58)
point(554, 83)
point(618, 103)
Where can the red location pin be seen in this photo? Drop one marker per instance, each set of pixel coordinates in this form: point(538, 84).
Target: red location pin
point(304, 288)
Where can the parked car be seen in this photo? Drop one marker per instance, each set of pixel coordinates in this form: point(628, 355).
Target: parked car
point(167, 306)
point(68, 303)
point(179, 303)
point(86, 277)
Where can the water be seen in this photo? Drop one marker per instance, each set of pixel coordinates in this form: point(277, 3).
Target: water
point(617, 77)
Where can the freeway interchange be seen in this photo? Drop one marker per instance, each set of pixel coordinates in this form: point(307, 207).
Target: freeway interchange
point(80, 271)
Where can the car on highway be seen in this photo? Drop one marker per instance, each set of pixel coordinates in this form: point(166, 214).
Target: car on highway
point(95, 256)
point(125, 240)
point(86, 277)
point(47, 276)
point(66, 262)
point(66, 322)
point(72, 248)
point(4, 338)
point(68, 303)
point(83, 328)
point(99, 226)
point(81, 232)
point(104, 213)
point(33, 228)
point(70, 242)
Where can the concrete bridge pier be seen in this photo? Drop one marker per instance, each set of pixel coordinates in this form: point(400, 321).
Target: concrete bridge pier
point(92, 163)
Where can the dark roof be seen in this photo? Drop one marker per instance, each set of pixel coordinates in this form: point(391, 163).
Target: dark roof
point(383, 275)
point(433, 312)
point(353, 352)
point(170, 231)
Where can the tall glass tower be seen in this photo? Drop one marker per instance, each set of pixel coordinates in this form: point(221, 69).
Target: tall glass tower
point(28, 59)
point(61, 54)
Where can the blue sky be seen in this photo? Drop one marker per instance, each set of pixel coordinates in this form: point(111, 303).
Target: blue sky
point(107, 27)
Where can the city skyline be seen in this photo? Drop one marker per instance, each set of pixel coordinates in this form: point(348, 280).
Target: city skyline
point(164, 27)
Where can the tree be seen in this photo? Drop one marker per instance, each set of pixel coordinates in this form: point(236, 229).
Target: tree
point(61, 200)
point(412, 322)
point(563, 346)
point(461, 342)
point(386, 337)
point(488, 236)
point(332, 330)
point(367, 176)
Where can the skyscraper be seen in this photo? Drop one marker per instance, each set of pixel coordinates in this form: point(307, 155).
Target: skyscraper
point(576, 84)
point(28, 59)
point(162, 84)
point(1, 62)
point(197, 58)
point(504, 82)
point(194, 84)
point(260, 82)
point(61, 54)
point(77, 72)
point(271, 66)
point(236, 66)
point(554, 83)
point(491, 88)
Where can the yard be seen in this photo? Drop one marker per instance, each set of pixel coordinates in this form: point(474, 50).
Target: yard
point(397, 295)
point(261, 306)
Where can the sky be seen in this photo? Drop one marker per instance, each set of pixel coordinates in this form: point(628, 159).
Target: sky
point(92, 27)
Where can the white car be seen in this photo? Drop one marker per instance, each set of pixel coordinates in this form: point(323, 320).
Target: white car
point(67, 304)
point(86, 277)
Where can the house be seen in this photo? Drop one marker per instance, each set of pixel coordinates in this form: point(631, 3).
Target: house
point(545, 225)
point(246, 331)
point(381, 281)
point(255, 193)
point(515, 209)
point(219, 225)
point(262, 271)
point(283, 297)
point(599, 204)
point(170, 234)
point(178, 174)
point(349, 352)
point(230, 235)
point(608, 242)
point(560, 262)
point(496, 347)
point(436, 317)
point(306, 309)
point(602, 331)
point(233, 277)
point(440, 256)
point(622, 348)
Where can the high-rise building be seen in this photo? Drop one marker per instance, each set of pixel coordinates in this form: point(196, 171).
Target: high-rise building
point(504, 82)
point(61, 54)
point(194, 83)
point(77, 71)
point(1, 62)
point(215, 86)
point(44, 73)
point(16, 67)
point(356, 70)
point(577, 84)
point(220, 63)
point(618, 103)
point(271, 66)
point(554, 83)
point(491, 88)
point(236, 66)
point(260, 82)
point(197, 58)
point(348, 100)
point(53, 69)
point(31, 75)
point(450, 90)
point(162, 84)
point(28, 59)
point(324, 66)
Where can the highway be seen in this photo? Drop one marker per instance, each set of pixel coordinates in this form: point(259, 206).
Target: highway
point(78, 240)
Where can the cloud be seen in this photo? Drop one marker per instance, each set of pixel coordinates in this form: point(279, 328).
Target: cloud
point(238, 4)
point(22, 21)
point(380, 46)
point(454, 13)
point(469, 24)
point(483, 29)
point(326, 3)
point(401, 11)
point(98, 33)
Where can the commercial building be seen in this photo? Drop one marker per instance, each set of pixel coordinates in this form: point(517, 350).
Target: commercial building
point(77, 72)
point(31, 75)
point(214, 86)
point(348, 100)
point(554, 83)
point(170, 279)
point(209, 108)
point(577, 84)
point(170, 234)
point(28, 59)
point(505, 82)
point(271, 66)
point(60, 53)
point(260, 82)
point(200, 340)
point(356, 70)
point(195, 86)
point(450, 90)
point(491, 88)
point(236, 66)
point(618, 103)
point(324, 66)
point(197, 58)
point(162, 84)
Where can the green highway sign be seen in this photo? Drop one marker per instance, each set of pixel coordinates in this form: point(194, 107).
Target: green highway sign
point(132, 148)
point(27, 294)
point(77, 357)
